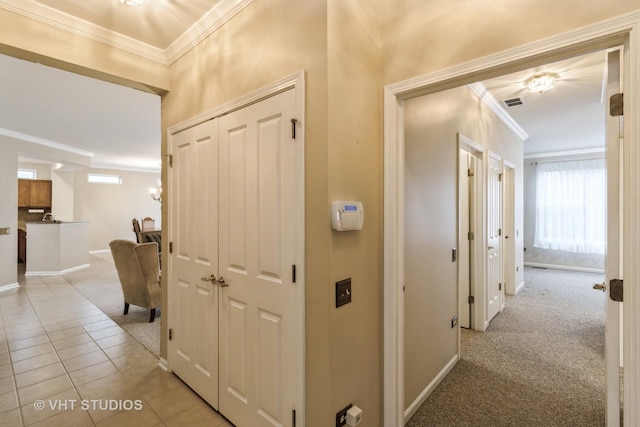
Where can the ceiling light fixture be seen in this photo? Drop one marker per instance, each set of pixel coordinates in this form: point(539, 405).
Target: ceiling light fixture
point(132, 2)
point(541, 82)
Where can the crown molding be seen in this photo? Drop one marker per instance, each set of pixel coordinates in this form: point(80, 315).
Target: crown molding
point(485, 96)
point(209, 23)
point(45, 142)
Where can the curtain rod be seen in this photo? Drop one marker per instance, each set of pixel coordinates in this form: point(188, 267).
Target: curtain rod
point(568, 160)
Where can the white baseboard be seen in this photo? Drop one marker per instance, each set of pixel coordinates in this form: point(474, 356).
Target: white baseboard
point(9, 286)
point(519, 287)
point(56, 273)
point(422, 397)
point(100, 251)
point(564, 267)
point(164, 364)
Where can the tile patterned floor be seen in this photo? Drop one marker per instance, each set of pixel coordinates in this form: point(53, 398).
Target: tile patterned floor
point(64, 362)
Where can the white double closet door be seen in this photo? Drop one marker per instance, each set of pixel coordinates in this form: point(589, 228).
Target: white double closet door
point(233, 315)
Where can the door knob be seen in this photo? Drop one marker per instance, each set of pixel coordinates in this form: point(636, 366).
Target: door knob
point(222, 283)
point(211, 278)
point(600, 287)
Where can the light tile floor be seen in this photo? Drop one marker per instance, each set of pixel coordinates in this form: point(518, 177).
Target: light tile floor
point(65, 363)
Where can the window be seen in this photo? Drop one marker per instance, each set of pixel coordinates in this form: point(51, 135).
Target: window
point(571, 206)
point(26, 174)
point(95, 178)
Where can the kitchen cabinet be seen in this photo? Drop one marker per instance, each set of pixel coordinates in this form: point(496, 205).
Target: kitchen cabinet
point(34, 193)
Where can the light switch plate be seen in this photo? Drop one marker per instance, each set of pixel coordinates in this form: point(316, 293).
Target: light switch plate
point(5, 230)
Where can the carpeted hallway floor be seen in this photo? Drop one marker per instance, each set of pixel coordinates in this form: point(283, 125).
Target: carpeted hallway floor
point(540, 362)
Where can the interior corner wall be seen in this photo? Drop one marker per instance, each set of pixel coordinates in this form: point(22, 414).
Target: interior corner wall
point(8, 212)
point(263, 43)
point(110, 207)
point(432, 123)
point(355, 173)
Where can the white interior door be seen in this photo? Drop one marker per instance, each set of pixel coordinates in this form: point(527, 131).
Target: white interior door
point(494, 237)
point(193, 345)
point(613, 262)
point(258, 356)
point(235, 217)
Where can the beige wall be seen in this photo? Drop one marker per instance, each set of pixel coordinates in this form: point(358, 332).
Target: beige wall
point(8, 211)
point(420, 37)
point(110, 207)
point(269, 40)
point(432, 123)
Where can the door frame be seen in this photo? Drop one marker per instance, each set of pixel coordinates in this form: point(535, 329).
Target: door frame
point(295, 82)
point(477, 216)
point(509, 227)
point(622, 30)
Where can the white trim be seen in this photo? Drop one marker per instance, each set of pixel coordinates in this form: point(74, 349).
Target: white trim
point(55, 273)
point(100, 251)
point(563, 267)
point(297, 83)
point(596, 36)
point(519, 287)
point(45, 142)
point(9, 287)
point(490, 101)
point(209, 23)
point(422, 397)
point(163, 364)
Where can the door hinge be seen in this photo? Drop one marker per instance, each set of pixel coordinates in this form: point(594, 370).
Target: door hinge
point(293, 418)
point(616, 105)
point(500, 177)
point(170, 157)
point(615, 289)
point(471, 299)
point(294, 122)
point(470, 235)
point(170, 334)
point(499, 286)
point(170, 247)
point(293, 273)
point(471, 172)
point(499, 231)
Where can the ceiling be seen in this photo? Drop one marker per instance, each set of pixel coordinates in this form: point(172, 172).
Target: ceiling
point(77, 121)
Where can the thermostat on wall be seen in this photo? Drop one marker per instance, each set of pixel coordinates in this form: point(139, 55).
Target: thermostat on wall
point(347, 216)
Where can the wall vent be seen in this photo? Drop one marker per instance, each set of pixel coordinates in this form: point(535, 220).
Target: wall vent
point(513, 102)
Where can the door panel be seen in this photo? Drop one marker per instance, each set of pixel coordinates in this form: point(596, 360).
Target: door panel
point(613, 258)
point(494, 224)
point(194, 229)
point(257, 246)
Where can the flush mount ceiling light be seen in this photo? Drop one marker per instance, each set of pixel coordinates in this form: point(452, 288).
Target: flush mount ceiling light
point(541, 82)
point(132, 2)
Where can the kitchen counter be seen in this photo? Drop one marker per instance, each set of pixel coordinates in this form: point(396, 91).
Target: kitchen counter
point(55, 247)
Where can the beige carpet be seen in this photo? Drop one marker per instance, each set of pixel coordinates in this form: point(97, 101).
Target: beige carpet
point(540, 362)
point(100, 284)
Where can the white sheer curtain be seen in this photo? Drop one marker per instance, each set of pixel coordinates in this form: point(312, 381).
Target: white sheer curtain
point(571, 206)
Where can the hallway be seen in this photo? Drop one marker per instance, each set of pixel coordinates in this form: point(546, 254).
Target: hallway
point(64, 362)
point(540, 362)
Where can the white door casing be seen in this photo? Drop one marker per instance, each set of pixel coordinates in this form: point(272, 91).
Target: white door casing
point(465, 260)
point(612, 32)
point(474, 156)
point(494, 238)
point(613, 265)
point(240, 206)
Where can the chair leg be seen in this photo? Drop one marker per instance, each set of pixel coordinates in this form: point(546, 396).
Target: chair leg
point(126, 307)
point(153, 315)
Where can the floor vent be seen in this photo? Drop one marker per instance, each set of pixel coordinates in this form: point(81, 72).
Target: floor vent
point(513, 102)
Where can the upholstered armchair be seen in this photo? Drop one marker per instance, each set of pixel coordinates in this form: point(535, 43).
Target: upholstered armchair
point(139, 273)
